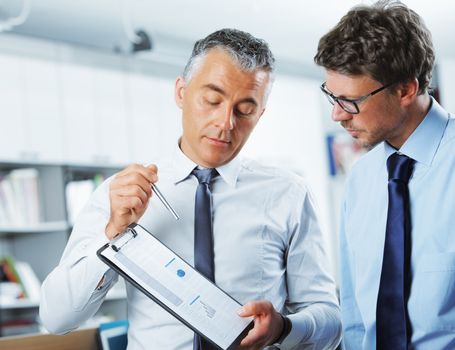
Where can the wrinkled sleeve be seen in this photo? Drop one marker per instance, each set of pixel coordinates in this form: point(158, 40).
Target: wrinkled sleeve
point(312, 303)
point(71, 293)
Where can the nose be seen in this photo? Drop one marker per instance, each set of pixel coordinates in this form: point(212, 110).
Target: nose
point(225, 120)
point(339, 114)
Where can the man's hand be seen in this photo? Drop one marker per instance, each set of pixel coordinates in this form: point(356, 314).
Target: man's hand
point(268, 324)
point(129, 194)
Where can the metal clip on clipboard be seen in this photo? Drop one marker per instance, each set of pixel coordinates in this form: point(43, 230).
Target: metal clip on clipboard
point(123, 239)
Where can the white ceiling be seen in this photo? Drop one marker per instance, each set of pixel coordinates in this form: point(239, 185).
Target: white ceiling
point(292, 27)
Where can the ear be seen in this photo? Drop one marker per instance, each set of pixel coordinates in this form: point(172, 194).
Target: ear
point(260, 115)
point(179, 91)
point(407, 92)
point(256, 121)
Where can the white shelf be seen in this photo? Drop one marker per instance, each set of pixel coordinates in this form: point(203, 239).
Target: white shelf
point(52, 226)
point(24, 240)
point(115, 294)
point(18, 304)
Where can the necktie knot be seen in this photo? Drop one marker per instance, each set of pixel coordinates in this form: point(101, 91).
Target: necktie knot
point(204, 176)
point(400, 167)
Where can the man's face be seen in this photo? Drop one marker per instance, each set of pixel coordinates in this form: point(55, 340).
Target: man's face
point(381, 117)
point(221, 105)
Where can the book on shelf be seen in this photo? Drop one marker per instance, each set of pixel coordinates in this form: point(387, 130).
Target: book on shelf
point(11, 286)
point(29, 280)
point(18, 281)
point(19, 197)
point(78, 193)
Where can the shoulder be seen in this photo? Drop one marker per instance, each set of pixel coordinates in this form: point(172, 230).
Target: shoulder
point(449, 135)
point(445, 156)
point(267, 175)
point(280, 193)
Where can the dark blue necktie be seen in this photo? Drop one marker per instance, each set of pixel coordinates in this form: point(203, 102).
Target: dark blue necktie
point(203, 236)
point(392, 323)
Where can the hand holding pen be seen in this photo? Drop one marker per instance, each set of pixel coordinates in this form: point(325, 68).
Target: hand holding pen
point(129, 194)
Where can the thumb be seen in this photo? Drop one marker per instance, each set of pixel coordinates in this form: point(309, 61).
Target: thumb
point(249, 309)
point(152, 173)
point(152, 167)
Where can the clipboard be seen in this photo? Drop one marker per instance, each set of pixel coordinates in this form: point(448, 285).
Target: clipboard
point(175, 285)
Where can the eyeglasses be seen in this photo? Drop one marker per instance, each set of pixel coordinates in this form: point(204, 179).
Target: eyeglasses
point(348, 105)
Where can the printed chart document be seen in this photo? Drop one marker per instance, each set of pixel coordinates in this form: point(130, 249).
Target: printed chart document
point(174, 284)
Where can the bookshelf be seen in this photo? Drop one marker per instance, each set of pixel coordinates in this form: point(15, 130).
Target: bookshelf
point(71, 115)
point(52, 226)
point(38, 240)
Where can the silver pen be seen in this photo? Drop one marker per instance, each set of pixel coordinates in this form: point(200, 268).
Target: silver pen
point(164, 201)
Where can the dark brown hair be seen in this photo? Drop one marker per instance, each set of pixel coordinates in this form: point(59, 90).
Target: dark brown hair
point(386, 41)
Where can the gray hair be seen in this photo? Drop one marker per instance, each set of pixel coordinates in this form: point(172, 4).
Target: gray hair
point(249, 52)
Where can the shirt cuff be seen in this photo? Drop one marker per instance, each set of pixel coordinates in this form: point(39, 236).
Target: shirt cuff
point(298, 332)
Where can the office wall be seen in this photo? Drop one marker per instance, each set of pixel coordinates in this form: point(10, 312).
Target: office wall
point(72, 105)
point(446, 77)
point(69, 104)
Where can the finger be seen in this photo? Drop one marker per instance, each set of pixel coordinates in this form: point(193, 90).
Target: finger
point(132, 178)
point(124, 204)
point(249, 339)
point(129, 206)
point(254, 339)
point(132, 191)
point(130, 168)
point(152, 167)
point(149, 172)
point(254, 308)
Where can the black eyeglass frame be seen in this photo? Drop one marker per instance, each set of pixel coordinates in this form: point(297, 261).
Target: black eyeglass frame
point(332, 98)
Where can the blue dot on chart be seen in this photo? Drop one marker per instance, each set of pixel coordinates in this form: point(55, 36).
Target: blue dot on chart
point(180, 273)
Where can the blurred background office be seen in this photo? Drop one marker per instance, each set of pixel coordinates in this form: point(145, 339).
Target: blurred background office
point(86, 87)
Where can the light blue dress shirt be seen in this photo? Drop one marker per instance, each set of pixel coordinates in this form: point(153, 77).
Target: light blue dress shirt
point(431, 303)
point(267, 245)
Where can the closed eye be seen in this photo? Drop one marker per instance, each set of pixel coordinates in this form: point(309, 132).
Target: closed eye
point(241, 114)
point(245, 110)
point(211, 102)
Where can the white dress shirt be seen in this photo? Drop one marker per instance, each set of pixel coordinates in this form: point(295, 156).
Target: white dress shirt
point(267, 245)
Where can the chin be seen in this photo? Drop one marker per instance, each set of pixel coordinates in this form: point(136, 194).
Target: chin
point(216, 160)
point(213, 163)
point(368, 144)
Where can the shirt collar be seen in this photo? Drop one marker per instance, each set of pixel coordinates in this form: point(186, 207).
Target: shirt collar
point(183, 167)
point(229, 172)
point(424, 141)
